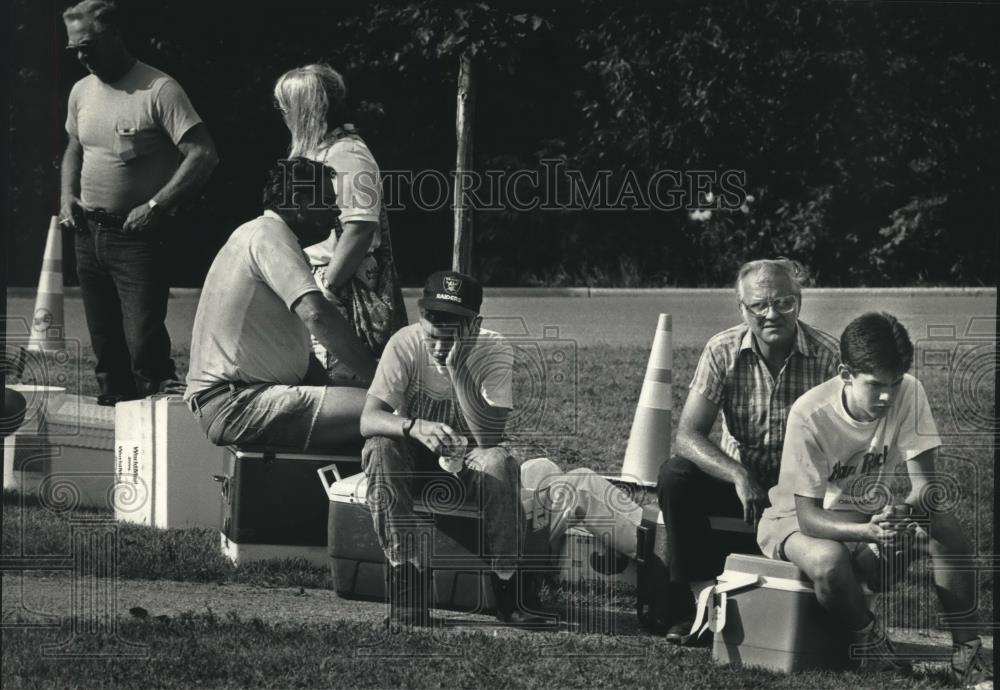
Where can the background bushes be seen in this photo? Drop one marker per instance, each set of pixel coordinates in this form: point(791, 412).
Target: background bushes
point(867, 132)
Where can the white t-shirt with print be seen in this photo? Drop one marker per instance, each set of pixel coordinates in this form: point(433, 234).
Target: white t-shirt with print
point(849, 464)
point(414, 385)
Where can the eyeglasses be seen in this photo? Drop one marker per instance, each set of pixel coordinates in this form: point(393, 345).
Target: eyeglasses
point(86, 48)
point(782, 305)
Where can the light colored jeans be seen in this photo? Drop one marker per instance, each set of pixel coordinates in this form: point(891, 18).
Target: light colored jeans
point(397, 469)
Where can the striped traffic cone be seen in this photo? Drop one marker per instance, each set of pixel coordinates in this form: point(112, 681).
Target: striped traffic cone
point(48, 326)
point(649, 441)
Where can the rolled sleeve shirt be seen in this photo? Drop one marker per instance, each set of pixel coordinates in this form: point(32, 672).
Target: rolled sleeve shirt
point(732, 374)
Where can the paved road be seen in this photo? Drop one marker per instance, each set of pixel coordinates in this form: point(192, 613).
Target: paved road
point(629, 318)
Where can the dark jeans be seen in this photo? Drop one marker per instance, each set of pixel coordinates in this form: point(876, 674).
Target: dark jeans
point(123, 280)
point(687, 497)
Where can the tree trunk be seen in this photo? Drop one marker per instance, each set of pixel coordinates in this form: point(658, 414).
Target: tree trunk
point(461, 258)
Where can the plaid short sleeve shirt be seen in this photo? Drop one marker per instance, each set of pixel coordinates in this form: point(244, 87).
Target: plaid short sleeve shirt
point(732, 374)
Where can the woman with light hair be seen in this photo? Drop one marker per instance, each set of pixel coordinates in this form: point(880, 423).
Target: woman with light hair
point(354, 266)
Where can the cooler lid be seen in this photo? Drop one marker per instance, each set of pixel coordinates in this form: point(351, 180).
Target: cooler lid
point(768, 567)
point(350, 453)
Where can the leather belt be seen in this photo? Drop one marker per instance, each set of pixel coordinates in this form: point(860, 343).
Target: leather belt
point(201, 397)
point(105, 219)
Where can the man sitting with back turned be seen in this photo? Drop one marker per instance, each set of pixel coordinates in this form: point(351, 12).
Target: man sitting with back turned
point(753, 373)
point(441, 384)
point(252, 379)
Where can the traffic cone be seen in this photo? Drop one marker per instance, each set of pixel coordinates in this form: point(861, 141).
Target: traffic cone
point(48, 326)
point(649, 441)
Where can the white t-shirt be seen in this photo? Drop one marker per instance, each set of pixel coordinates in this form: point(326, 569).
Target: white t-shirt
point(830, 455)
point(358, 187)
point(245, 330)
point(129, 131)
point(414, 385)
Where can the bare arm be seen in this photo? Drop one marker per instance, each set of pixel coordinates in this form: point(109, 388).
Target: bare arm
point(697, 419)
point(198, 160)
point(69, 201)
point(842, 525)
point(335, 334)
point(486, 421)
point(377, 419)
point(922, 479)
point(351, 248)
point(696, 422)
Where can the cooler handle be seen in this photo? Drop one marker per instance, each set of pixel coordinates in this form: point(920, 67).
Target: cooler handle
point(224, 480)
point(322, 476)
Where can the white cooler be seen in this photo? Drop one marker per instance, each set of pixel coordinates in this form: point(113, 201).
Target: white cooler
point(63, 451)
point(164, 465)
point(27, 452)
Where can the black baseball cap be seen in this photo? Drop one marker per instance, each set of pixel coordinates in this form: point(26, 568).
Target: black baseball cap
point(452, 292)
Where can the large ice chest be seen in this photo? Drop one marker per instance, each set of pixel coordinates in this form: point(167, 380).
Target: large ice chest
point(27, 452)
point(460, 572)
point(64, 451)
point(164, 465)
point(773, 619)
point(274, 504)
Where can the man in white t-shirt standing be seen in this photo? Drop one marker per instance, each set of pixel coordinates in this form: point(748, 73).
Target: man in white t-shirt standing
point(441, 385)
point(831, 511)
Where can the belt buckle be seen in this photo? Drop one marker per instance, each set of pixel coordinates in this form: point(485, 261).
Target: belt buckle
point(105, 219)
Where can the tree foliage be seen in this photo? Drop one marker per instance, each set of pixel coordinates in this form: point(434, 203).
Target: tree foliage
point(866, 133)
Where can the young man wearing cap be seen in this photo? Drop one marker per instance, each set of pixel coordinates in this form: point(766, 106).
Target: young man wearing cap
point(443, 383)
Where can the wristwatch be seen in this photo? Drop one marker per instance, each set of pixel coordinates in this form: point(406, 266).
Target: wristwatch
point(152, 204)
point(408, 426)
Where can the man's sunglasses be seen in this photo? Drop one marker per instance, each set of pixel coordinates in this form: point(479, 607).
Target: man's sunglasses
point(87, 48)
point(782, 305)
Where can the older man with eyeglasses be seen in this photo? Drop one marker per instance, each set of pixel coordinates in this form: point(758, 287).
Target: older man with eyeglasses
point(753, 373)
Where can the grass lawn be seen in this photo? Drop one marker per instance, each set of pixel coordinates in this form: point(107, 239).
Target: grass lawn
point(582, 420)
point(211, 651)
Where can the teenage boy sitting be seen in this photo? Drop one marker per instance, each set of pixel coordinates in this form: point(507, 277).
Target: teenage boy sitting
point(829, 514)
point(441, 384)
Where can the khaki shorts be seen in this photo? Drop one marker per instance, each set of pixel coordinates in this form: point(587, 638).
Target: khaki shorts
point(772, 533)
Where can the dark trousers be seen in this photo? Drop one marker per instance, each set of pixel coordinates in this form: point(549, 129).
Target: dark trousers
point(687, 498)
point(123, 280)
